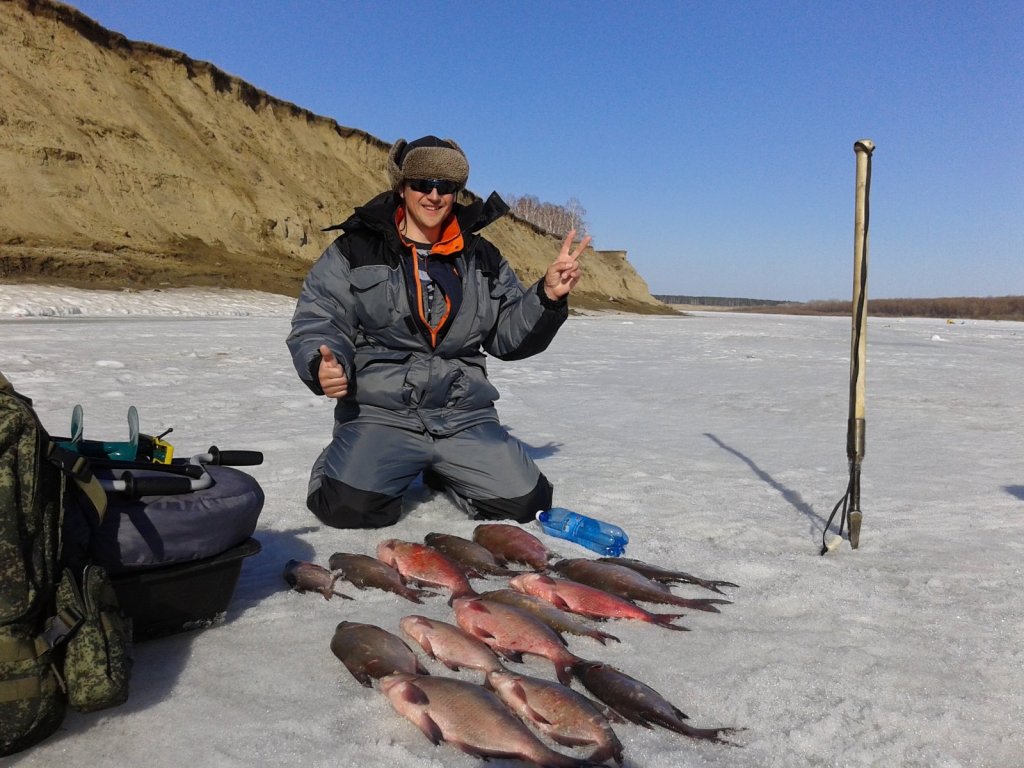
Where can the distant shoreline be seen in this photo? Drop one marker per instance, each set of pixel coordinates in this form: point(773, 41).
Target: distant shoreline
point(951, 308)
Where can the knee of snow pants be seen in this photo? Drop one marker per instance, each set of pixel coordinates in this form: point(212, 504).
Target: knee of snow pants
point(342, 506)
point(522, 509)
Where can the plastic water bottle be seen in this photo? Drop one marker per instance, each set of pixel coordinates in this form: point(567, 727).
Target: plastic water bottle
point(597, 535)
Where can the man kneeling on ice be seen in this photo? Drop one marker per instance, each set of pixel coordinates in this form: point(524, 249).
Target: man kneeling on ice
point(393, 322)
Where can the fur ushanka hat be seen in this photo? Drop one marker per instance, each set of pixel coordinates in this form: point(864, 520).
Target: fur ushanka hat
point(427, 158)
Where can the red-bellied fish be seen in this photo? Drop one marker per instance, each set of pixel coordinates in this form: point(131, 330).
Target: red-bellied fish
point(511, 631)
point(588, 601)
point(423, 565)
point(625, 582)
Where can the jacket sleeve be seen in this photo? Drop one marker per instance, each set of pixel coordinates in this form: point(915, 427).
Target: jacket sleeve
point(323, 315)
point(527, 319)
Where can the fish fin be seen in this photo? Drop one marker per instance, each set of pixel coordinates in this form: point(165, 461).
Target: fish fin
point(679, 713)
point(413, 694)
point(364, 679)
point(701, 604)
point(604, 636)
point(508, 653)
point(636, 718)
point(479, 607)
point(430, 729)
point(569, 741)
point(481, 634)
point(342, 594)
point(519, 693)
point(666, 619)
point(559, 602)
point(428, 648)
point(609, 714)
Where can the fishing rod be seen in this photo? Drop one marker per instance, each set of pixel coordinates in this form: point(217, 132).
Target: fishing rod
point(855, 425)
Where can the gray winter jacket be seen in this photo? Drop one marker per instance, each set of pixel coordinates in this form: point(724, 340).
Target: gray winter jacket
point(358, 301)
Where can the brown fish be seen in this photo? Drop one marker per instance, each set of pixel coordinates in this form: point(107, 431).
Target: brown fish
point(625, 582)
point(450, 645)
point(588, 601)
point(639, 703)
point(510, 543)
point(470, 718)
point(559, 620)
point(370, 653)
point(666, 576)
point(365, 572)
point(420, 563)
point(560, 713)
point(476, 558)
point(303, 576)
point(511, 632)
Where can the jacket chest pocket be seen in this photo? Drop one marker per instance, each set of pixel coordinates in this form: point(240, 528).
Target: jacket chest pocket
point(378, 295)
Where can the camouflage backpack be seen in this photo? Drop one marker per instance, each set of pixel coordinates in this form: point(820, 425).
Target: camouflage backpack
point(63, 639)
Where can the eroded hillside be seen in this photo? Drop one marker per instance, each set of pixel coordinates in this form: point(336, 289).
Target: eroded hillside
point(126, 164)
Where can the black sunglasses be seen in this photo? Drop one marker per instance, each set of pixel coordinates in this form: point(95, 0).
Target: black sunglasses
point(443, 186)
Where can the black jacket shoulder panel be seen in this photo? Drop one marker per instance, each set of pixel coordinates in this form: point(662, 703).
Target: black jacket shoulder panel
point(370, 238)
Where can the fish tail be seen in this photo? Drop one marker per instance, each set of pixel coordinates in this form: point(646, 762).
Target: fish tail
point(709, 734)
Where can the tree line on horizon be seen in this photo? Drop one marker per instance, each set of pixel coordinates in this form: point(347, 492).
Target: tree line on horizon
point(948, 308)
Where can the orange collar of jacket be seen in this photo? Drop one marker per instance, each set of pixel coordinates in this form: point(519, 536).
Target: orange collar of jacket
point(451, 234)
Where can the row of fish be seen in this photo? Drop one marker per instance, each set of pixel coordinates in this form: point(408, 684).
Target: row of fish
point(502, 625)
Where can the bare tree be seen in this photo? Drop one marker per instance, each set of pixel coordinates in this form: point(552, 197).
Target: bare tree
point(551, 217)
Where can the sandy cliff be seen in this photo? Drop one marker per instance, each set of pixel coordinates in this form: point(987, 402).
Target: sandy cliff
point(126, 164)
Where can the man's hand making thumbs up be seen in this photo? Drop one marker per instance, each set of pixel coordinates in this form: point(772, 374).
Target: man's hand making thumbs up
point(333, 380)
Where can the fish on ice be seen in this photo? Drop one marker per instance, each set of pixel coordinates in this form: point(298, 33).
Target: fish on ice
point(639, 703)
point(625, 582)
point(470, 718)
point(450, 645)
point(370, 653)
point(423, 565)
point(512, 544)
point(565, 716)
point(365, 572)
point(561, 621)
point(588, 601)
point(511, 632)
point(304, 577)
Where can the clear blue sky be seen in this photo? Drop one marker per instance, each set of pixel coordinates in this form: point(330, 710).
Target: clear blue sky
point(711, 140)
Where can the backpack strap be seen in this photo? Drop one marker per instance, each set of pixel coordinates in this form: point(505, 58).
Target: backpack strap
point(76, 466)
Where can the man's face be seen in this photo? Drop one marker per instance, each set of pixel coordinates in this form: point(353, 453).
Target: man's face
point(426, 212)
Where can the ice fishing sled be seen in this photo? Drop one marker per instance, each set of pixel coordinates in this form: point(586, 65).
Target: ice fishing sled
point(176, 530)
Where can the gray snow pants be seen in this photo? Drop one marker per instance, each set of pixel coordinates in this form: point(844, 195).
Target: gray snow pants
point(359, 479)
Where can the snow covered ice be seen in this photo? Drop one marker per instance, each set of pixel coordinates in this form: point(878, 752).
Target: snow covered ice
point(716, 441)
